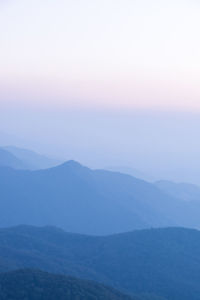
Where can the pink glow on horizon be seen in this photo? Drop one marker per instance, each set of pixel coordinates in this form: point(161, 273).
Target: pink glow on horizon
point(132, 94)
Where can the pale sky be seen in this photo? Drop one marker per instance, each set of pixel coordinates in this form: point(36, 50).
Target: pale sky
point(101, 53)
point(104, 82)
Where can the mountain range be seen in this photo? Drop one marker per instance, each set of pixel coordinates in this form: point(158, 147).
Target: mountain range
point(82, 200)
point(154, 260)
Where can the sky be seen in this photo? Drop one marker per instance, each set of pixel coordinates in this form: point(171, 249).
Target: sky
point(116, 54)
point(110, 82)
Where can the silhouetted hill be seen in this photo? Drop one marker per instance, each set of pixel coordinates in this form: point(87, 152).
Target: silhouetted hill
point(38, 285)
point(7, 159)
point(164, 262)
point(82, 200)
point(33, 160)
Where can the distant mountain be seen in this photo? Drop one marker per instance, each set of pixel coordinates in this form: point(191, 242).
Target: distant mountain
point(33, 284)
point(184, 191)
point(7, 139)
point(10, 160)
point(130, 171)
point(162, 262)
point(31, 159)
point(82, 200)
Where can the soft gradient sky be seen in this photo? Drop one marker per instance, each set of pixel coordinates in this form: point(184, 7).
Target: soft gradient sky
point(101, 53)
point(104, 82)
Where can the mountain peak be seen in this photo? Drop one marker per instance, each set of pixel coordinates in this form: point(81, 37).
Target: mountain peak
point(72, 165)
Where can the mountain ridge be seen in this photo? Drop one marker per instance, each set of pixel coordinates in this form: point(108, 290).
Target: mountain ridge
point(29, 159)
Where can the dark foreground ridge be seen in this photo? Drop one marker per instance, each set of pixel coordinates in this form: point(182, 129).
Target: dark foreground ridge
point(164, 262)
point(37, 285)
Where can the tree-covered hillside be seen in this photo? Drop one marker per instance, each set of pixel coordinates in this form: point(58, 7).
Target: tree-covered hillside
point(164, 262)
point(37, 285)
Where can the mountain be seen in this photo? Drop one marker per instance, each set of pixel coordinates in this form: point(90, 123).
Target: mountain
point(184, 191)
point(9, 160)
point(33, 284)
point(163, 262)
point(31, 159)
point(82, 200)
